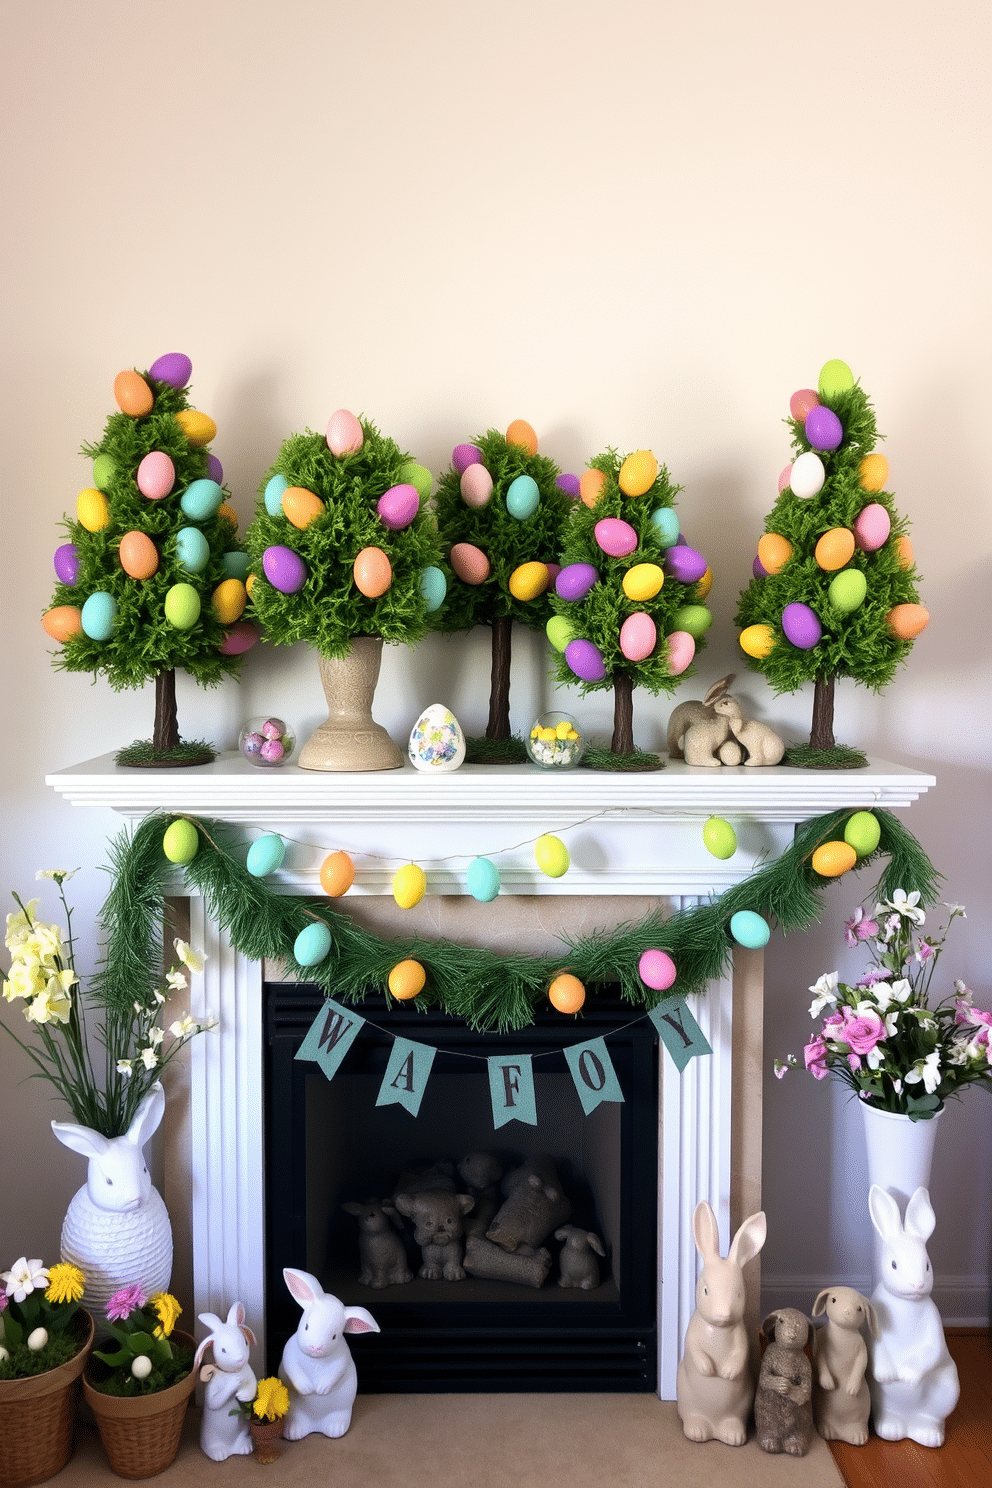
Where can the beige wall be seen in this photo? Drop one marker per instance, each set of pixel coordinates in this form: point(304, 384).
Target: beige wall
point(632, 224)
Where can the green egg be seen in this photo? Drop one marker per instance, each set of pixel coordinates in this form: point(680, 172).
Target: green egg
point(719, 837)
point(103, 472)
point(417, 476)
point(694, 619)
point(847, 590)
point(835, 377)
point(181, 841)
point(182, 606)
point(560, 631)
point(863, 832)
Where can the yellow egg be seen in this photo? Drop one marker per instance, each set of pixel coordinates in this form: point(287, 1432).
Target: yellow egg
point(643, 581)
point(409, 885)
point(133, 395)
point(249, 584)
point(873, 472)
point(92, 509)
point(705, 584)
point(529, 580)
point(182, 606)
point(406, 980)
point(835, 548)
point(138, 555)
point(301, 506)
point(906, 621)
point(521, 433)
point(63, 622)
point(229, 600)
point(638, 473)
point(591, 484)
point(373, 572)
point(337, 874)
point(831, 859)
point(774, 552)
point(229, 514)
point(757, 641)
point(551, 856)
point(198, 427)
point(904, 551)
point(566, 993)
point(181, 841)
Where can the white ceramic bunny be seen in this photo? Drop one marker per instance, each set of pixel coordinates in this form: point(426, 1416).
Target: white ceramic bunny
point(714, 1387)
point(316, 1365)
point(228, 1379)
point(116, 1229)
point(913, 1379)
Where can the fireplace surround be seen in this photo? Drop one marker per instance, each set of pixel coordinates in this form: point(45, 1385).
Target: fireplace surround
point(634, 841)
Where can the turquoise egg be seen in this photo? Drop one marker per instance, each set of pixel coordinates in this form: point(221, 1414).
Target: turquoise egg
point(433, 587)
point(523, 498)
point(312, 944)
point(235, 565)
point(99, 616)
point(482, 880)
point(265, 855)
point(201, 499)
point(666, 520)
point(192, 549)
point(749, 929)
point(273, 495)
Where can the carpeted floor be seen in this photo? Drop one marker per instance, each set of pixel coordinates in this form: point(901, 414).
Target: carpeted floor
point(488, 1441)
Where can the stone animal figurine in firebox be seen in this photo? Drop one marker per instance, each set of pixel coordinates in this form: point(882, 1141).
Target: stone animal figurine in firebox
point(317, 1367)
point(381, 1252)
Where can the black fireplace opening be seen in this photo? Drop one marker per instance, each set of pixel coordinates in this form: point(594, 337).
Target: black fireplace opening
point(329, 1144)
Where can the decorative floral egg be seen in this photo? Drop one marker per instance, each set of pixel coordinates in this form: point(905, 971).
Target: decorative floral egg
point(156, 475)
point(847, 590)
point(831, 859)
point(681, 650)
point(201, 499)
point(406, 980)
point(337, 874)
point(684, 564)
point(656, 969)
point(638, 636)
point(835, 377)
point(872, 526)
point(174, 367)
point(555, 742)
point(433, 588)
point(192, 549)
point(694, 618)
point(198, 427)
point(638, 473)
point(616, 537)
point(823, 428)
point(585, 660)
point(240, 638)
point(92, 509)
point(643, 582)
point(873, 473)
point(63, 622)
point(807, 475)
point(138, 555)
point(566, 993)
point(469, 563)
point(437, 743)
point(373, 572)
point(344, 433)
point(749, 929)
point(409, 885)
point(284, 569)
point(398, 506)
point(529, 580)
point(551, 856)
point(521, 434)
point(801, 403)
point(591, 486)
point(312, 944)
point(774, 552)
point(863, 832)
point(575, 580)
point(182, 606)
point(906, 621)
point(66, 562)
point(757, 641)
point(464, 455)
point(265, 855)
point(482, 880)
point(98, 616)
point(476, 486)
point(801, 626)
point(229, 600)
point(132, 394)
point(719, 837)
point(665, 518)
point(834, 548)
point(301, 507)
point(523, 497)
point(559, 631)
point(274, 488)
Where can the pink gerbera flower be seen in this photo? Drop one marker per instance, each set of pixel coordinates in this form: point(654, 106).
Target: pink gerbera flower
point(125, 1301)
point(858, 928)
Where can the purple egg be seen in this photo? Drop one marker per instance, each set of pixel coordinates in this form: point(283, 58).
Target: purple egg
point(174, 368)
point(398, 506)
point(241, 637)
point(801, 626)
point(586, 661)
point(284, 569)
point(252, 744)
point(684, 564)
point(464, 455)
point(67, 563)
point(575, 580)
point(758, 569)
point(569, 484)
point(823, 428)
point(215, 469)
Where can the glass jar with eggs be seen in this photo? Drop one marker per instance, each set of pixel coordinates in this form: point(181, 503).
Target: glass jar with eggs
point(555, 742)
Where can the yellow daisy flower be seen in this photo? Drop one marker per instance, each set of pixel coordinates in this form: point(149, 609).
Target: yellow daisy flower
point(66, 1283)
point(168, 1310)
point(271, 1400)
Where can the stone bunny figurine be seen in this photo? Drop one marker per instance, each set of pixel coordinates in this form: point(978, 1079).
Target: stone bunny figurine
point(714, 1385)
point(913, 1379)
point(577, 1264)
point(381, 1252)
point(711, 733)
point(316, 1366)
point(480, 1172)
point(229, 1379)
point(116, 1229)
point(760, 745)
point(841, 1402)
point(783, 1410)
point(534, 1206)
point(438, 1230)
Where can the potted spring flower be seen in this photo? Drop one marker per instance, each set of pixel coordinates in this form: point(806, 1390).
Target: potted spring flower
point(265, 1413)
point(139, 1384)
point(45, 1338)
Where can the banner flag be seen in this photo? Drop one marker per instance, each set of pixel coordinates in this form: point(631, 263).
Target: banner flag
point(406, 1075)
point(679, 1031)
point(593, 1073)
point(511, 1086)
point(330, 1036)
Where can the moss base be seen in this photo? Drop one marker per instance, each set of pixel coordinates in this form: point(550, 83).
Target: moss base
point(142, 755)
point(483, 751)
point(604, 759)
point(840, 757)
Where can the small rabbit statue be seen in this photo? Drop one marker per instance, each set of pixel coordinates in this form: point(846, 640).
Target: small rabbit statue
point(913, 1379)
point(841, 1402)
point(316, 1365)
point(714, 1387)
point(783, 1411)
point(381, 1252)
point(116, 1229)
point(228, 1379)
point(577, 1264)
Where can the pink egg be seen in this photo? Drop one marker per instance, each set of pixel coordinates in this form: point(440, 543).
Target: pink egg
point(284, 569)
point(239, 638)
point(398, 506)
point(373, 572)
point(656, 969)
point(585, 660)
point(344, 433)
point(638, 635)
point(801, 626)
point(681, 650)
point(684, 564)
point(802, 403)
point(464, 455)
point(784, 479)
point(871, 527)
point(470, 563)
point(174, 367)
point(615, 537)
point(575, 580)
point(476, 485)
point(156, 475)
point(554, 569)
point(823, 428)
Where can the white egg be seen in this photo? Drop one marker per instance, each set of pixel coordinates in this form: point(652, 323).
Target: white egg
point(37, 1339)
point(141, 1367)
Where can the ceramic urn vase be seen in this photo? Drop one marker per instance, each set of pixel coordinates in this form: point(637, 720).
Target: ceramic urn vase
point(350, 739)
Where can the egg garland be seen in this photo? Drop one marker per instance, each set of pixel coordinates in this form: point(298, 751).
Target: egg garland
point(656, 969)
point(181, 841)
point(719, 837)
point(409, 885)
point(749, 929)
point(832, 859)
point(482, 880)
point(406, 980)
point(566, 993)
point(337, 874)
point(312, 944)
point(265, 855)
point(551, 856)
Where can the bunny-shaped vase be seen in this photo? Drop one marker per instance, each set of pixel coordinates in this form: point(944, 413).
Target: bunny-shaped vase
point(316, 1365)
point(116, 1229)
point(913, 1379)
point(714, 1387)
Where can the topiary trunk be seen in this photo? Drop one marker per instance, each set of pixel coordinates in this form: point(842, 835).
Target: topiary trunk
point(166, 734)
point(623, 714)
point(822, 733)
point(498, 726)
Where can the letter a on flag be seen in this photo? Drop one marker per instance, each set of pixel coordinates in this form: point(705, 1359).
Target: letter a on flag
point(511, 1085)
point(406, 1075)
point(679, 1031)
point(593, 1073)
point(330, 1036)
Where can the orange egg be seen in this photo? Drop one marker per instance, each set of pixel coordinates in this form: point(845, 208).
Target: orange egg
point(133, 395)
point(198, 427)
point(831, 859)
point(373, 572)
point(906, 621)
point(705, 584)
point(337, 874)
point(774, 552)
point(229, 600)
point(92, 509)
point(470, 563)
point(521, 433)
point(229, 514)
point(835, 548)
point(63, 622)
point(591, 484)
point(566, 993)
point(138, 555)
point(873, 472)
point(301, 506)
point(406, 980)
point(904, 551)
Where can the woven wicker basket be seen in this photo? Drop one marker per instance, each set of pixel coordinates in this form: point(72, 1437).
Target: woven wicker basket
point(38, 1418)
point(141, 1434)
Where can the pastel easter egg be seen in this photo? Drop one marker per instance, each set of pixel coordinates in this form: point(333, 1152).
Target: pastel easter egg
point(215, 469)
point(138, 555)
point(284, 569)
point(182, 606)
point(99, 616)
point(566, 993)
point(66, 562)
point(464, 455)
point(301, 507)
point(863, 832)
point(904, 551)
point(873, 473)
point(417, 476)
point(758, 569)
point(274, 489)
point(174, 367)
point(406, 980)
point(831, 859)
point(784, 478)
point(665, 518)
point(132, 394)
point(807, 475)
point(705, 584)
point(265, 855)
point(774, 552)
point(823, 428)
point(344, 435)
point(272, 751)
point(156, 475)
point(229, 600)
point(201, 500)
point(240, 638)
point(694, 618)
point(834, 549)
point(523, 497)
point(801, 403)
point(521, 434)
point(476, 486)
point(684, 564)
point(192, 549)
point(681, 650)
point(585, 660)
point(719, 837)
point(229, 515)
point(559, 631)
point(482, 880)
point(372, 572)
point(235, 564)
point(181, 841)
point(656, 969)
point(591, 486)
point(63, 622)
point(104, 470)
point(638, 473)
point(529, 580)
point(616, 537)
point(749, 929)
point(551, 856)
point(835, 377)
point(433, 588)
point(312, 944)
point(92, 510)
point(398, 506)
point(801, 626)
point(569, 484)
point(554, 569)
point(638, 636)
point(575, 580)
point(906, 621)
point(872, 526)
point(757, 641)
point(198, 427)
point(409, 885)
point(643, 582)
point(847, 590)
point(437, 742)
point(469, 563)
point(36, 1339)
point(337, 874)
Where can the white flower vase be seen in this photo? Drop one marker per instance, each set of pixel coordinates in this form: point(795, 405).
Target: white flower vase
point(900, 1154)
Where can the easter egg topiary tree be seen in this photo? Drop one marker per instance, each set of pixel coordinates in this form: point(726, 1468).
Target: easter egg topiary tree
point(501, 512)
point(834, 587)
point(628, 601)
point(151, 576)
